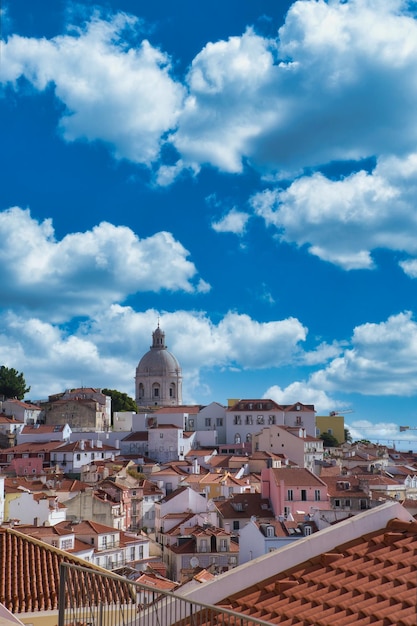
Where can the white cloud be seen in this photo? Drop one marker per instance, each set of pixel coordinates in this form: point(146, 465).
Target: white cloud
point(113, 92)
point(386, 433)
point(334, 85)
point(233, 222)
point(104, 351)
point(301, 392)
point(382, 360)
point(85, 272)
point(344, 221)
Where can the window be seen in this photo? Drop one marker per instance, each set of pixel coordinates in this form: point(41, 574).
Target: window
point(260, 419)
point(132, 554)
point(298, 420)
point(208, 421)
point(304, 494)
point(248, 438)
point(238, 438)
point(161, 435)
point(337, 503)
point(78, 457)
point(156, 392)
point(219, 421)
point(66, 544)
point(249, 420)
point(190, 423)
point(287, 511)
point(317, 495)
point(290, 494)
point(271, 419)
point(233, 560)
point(223, 545)
point(307, 530)
point(237, 420)
point(203, 545)
point(330, 431)
point(347, 503)
point(236, 524)
point(141, 552)
point(269, 531)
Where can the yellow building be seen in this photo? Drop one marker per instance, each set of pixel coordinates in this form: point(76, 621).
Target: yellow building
point(333, 424)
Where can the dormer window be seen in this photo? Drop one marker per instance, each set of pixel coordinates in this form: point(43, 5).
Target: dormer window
point(269, 531)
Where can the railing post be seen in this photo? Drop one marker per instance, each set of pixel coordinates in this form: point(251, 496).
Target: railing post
point(61, 599)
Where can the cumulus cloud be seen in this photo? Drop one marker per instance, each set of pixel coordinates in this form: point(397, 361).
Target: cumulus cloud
point(112, 91)
point(84, 272)
point(343, 221)
point(334, 85)
point(382, 360)
point(104, 351)
point(233, 222)
point(301, 392)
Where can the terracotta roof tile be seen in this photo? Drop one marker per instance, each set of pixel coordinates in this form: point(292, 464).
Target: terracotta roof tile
point(30, 582)
point(371, 580)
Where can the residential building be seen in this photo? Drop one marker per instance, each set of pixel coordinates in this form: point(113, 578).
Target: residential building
point(72, 456)
point(84, 409)
point(31, 458)
point(9, 428)
point(96, 543)
point(292, 491)
point(333, 424)
point(294, 442)
point(25, 412)
point(28, 507)
point(259, 537)
point(196, 546)
point(43, 432)
point(167, 442)
point(246, 418)
point(238, 510)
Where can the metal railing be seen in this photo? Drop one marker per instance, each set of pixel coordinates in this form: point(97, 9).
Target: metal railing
point(89, 597)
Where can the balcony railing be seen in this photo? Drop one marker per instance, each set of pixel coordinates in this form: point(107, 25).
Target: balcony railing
point(90, 597)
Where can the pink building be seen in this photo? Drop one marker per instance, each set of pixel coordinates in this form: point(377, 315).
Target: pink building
point(293, 491)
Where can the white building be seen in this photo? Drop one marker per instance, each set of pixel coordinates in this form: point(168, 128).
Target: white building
point(22, 411)
point(168, 442)
point(72, 456)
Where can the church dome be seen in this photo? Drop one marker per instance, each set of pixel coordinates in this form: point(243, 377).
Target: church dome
point(158, 362)
point(158, 379)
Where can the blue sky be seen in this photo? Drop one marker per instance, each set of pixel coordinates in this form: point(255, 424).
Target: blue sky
point(244, 171)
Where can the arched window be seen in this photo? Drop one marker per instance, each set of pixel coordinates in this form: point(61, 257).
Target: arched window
point(248, 438)
point(172, 390)
point(141, 391)
point(238, 438)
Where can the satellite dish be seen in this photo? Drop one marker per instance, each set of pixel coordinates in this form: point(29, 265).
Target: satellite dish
point(194, 561)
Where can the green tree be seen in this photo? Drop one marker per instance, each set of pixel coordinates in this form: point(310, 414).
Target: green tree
point(329, 441)
point(348, 436)
point(12, 383)
point(120, 401)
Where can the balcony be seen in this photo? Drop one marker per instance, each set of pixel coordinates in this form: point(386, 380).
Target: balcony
point(88, 596)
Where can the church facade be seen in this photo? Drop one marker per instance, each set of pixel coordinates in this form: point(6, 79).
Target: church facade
point(158, 380)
